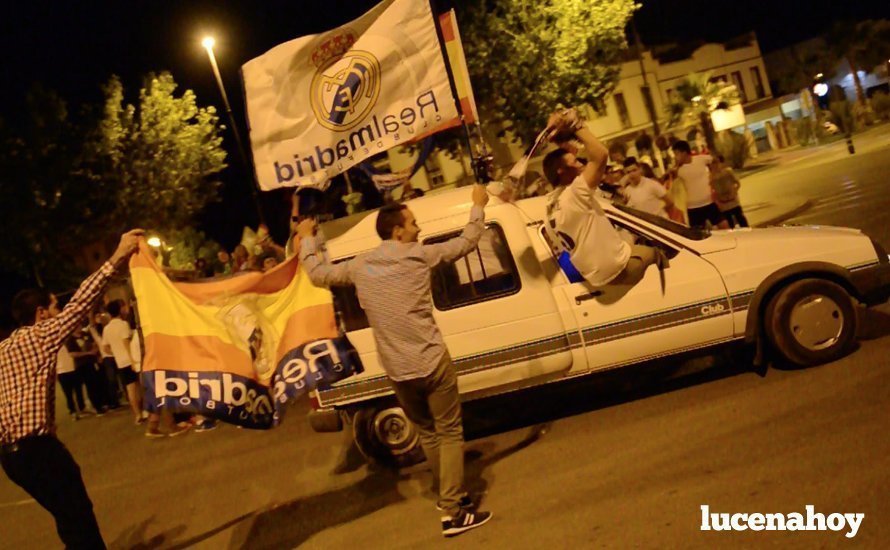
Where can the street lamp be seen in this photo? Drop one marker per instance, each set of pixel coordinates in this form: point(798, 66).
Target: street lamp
point(154, 242)
point(208, 42)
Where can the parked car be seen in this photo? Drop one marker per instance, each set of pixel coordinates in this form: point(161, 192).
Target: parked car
point(513, 315)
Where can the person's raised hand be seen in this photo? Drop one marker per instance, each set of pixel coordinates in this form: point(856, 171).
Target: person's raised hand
point(128, 244)
point(556, 122)
point(307, 228)
point(480, 195)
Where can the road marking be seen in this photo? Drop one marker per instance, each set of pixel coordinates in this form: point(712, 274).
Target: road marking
point(17, 503)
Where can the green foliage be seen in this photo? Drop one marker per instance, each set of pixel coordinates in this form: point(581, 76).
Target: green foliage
point(842, 115)
point(187, 245)
point(796, 67)
point(527, 57)
point(805, 130)
point(697, 95)
point(160, 154)
point(69, 181)
point(47, 209)
point(696, 98)
point(735, 148)
point(864, 45)
point(880, 102)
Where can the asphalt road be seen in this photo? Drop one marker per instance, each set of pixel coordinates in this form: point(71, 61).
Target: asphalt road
point(620, 460)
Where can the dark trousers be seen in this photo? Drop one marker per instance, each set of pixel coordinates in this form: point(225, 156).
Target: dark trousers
point(44, 468)
point(108, 371)
point(735, 216)
point(90, 378)
point(72, 387)
point(432, 404)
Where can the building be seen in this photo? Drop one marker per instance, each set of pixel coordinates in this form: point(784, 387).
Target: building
point(652, 79)
point(840, 74)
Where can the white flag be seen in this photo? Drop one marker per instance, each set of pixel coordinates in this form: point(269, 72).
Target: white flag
point(320, 104)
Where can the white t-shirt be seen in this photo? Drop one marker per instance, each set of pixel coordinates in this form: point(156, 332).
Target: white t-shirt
point(136, 352)
point(647, 196)
point(595, 248)
point(698, 181)
point(116, 332)
point(65, 362)
point(98, 339)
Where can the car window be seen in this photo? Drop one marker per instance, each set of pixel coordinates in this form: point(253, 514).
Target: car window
point(486, 273)
point(350, 315)
point(565, 264)
point(691, 233)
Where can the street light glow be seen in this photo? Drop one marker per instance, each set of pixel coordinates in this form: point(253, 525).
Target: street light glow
point(208, 42)
point(820, 75)
point(154, 242)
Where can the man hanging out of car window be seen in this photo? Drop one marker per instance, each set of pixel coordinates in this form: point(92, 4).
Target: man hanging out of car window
point(595, 247)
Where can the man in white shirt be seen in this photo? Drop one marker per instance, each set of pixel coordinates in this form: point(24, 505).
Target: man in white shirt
point(643, 193)
point(595, 248)
point(699, 203)
point(117, 335)
point(107, 374)
point(70, 382)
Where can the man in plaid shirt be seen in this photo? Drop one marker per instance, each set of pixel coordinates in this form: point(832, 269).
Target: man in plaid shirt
point(31, 455)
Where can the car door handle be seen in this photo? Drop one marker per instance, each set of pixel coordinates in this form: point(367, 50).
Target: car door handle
point(589, 296)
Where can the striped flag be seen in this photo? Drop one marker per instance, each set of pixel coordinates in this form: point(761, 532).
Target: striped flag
point(237, 349)
point(455, 50)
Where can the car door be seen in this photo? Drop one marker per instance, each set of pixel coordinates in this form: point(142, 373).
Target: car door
point(688, 309)
point(496, 310)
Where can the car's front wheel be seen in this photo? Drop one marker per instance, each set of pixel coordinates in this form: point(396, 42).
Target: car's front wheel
point(811, 321)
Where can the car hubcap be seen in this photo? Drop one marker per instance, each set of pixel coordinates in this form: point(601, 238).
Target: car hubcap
point(393, 429)
point(817, 322)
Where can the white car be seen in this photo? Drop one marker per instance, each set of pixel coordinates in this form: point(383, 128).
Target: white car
point(514, 316)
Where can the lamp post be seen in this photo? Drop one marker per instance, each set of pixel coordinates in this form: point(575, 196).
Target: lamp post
point(208, 42)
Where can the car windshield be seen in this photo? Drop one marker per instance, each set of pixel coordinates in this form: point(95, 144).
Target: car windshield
point(691, 233)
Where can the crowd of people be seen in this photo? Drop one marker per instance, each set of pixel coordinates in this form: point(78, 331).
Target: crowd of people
point(102, 359)
point(695, 188)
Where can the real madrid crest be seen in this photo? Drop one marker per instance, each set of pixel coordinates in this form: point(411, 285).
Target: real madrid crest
point(346, 83)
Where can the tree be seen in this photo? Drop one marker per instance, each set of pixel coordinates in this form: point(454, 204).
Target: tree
point(796, 68)
point(66, 182)
point(863, 45)
point(526, 57)
point(160, 155)
point(696, 98)
point(47, 207)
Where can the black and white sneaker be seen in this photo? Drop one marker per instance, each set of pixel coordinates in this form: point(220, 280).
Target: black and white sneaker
point(464, 521)
point(465, 503)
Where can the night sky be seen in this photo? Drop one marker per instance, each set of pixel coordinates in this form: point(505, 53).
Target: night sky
point(73, 47)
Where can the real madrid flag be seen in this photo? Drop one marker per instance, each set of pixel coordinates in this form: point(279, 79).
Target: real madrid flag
point(320, 104)
point(237, 349)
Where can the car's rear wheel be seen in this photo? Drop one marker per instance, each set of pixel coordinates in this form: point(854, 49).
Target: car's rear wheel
point(385, 436)
point(811, 321)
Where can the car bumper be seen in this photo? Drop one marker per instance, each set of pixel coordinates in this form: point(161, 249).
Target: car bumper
point(873, 283)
